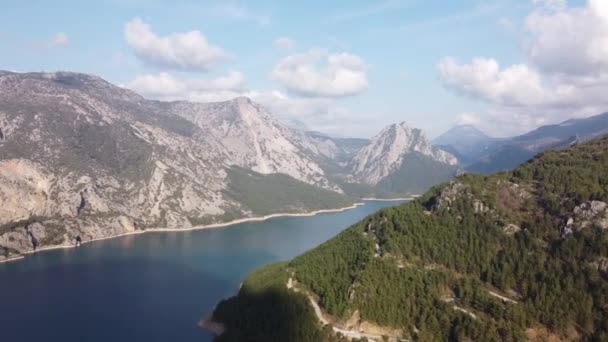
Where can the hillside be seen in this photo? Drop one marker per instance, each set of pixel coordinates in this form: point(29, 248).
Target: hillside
point(81, 157)
point(515, 255)
point(507, 153)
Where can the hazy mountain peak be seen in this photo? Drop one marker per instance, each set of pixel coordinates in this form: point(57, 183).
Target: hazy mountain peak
point(459, 132)
point(386, 151)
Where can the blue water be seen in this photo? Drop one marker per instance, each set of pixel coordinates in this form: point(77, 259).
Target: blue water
point(150, 287)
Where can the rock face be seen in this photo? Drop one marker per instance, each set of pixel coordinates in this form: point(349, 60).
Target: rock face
point(389, 151)
point(251, 138)
point(82, 157)
point(587, 215)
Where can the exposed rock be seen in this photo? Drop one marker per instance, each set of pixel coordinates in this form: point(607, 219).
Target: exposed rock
point(511, 229)
point(87, 158)
point(385, 153)
point(355, 323)
point(448, 195)
point(601, 264)
point(479, 207)
point(587, 215)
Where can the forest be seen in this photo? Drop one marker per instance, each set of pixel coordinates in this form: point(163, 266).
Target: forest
point(502, 257)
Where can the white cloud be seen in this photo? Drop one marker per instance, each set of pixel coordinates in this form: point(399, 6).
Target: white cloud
point(318, 74)
point(322, 114)
point(317, 114)
point(284, 43)
point(565, 73)
point(517, 85)
point(182, 50)
point(570, 41)
point(164, 86)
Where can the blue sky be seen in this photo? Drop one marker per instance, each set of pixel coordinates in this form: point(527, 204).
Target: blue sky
point(344, 67)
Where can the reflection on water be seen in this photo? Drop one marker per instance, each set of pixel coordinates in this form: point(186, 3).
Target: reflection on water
point(153, 286)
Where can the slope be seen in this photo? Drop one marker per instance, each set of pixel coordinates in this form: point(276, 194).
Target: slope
point(506, 257)
point(80, 157)
point(508, 153)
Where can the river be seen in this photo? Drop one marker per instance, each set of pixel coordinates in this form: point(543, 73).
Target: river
point(149, 287)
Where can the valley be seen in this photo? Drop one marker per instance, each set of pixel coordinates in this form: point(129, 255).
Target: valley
point(83, 158)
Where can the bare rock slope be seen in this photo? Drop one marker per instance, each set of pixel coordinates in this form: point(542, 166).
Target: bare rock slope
point(82, 157)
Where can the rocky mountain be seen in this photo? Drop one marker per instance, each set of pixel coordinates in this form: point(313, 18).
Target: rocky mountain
point(402, 159)
point(466, 142)
point(251, 138)
point(82, 157)
point(512, 256)
point(339, 150)
point(508, 153)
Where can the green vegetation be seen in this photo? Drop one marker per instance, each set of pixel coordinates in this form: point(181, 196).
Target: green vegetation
point(433, 268)
point(264, 310)
point(279, 193)
point(416, 175)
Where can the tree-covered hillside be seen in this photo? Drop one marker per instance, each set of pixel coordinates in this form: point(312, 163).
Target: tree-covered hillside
point(511, 256)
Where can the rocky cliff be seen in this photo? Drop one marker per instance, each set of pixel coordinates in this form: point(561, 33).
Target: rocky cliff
point(82, 157)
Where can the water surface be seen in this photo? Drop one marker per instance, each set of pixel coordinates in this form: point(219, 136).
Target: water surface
point(150, 287)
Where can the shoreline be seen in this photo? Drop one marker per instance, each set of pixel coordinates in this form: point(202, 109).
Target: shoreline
point(374, 199)
point(12, 259)
point(201, 227)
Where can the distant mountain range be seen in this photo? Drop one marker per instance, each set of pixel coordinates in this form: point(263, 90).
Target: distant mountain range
point(80, 157)
point(480, 153)
point(466, 142)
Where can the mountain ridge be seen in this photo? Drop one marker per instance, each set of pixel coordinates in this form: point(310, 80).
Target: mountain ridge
point(516, 255)
point(83, 158)
point(491, 155)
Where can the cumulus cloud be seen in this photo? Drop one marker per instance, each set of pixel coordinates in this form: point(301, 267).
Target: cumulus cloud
point(182, 50)
point(516, 85)
point(565, 72)
point(569, 41)
point(317, 73)
point(165, 86)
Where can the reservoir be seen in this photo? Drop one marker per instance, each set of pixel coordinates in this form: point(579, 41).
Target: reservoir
point(150, 287)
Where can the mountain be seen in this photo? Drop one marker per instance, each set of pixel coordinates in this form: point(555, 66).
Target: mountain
point(251, 138)
point(80, 157)
point(339, 150)
point(508, 153)
point(512, 256)
point(400, 159)
point(466, 142)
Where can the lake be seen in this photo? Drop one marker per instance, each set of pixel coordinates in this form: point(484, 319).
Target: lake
point(149, 287)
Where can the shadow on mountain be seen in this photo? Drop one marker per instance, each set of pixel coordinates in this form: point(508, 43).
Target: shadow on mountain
point(265, 310)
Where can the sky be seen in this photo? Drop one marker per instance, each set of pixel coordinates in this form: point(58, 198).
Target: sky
point(344, 67)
